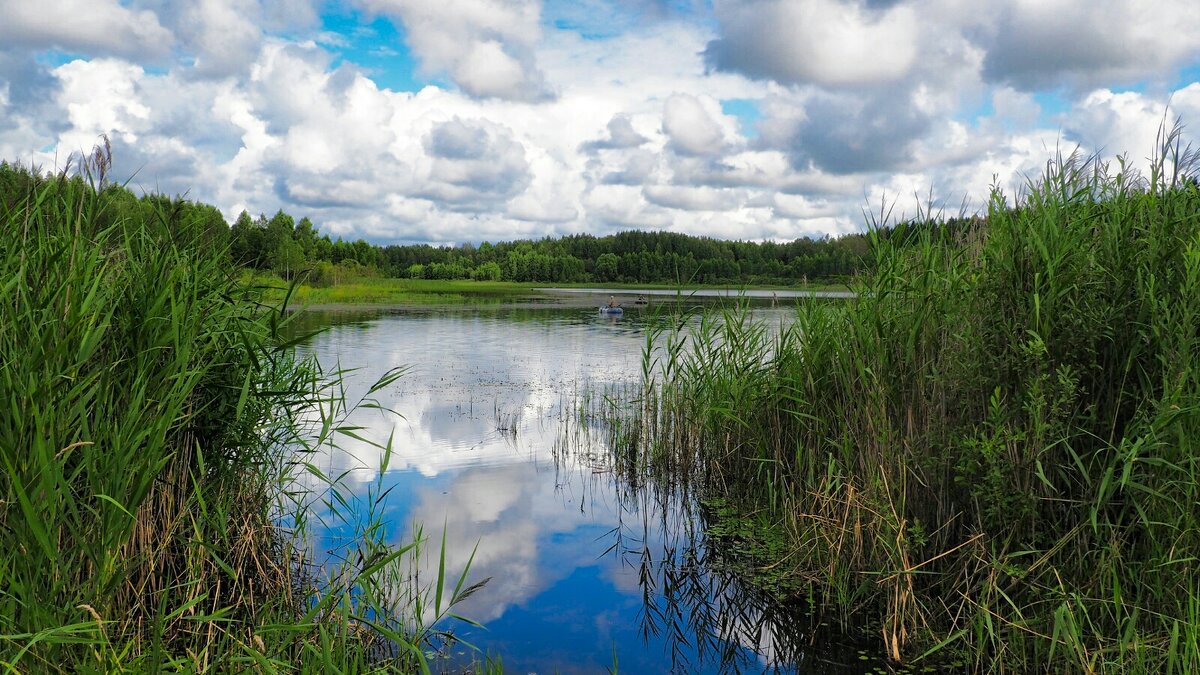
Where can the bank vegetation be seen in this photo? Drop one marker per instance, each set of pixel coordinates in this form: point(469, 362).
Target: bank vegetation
point(992, 453)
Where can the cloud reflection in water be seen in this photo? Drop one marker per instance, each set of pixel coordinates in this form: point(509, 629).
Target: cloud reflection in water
point(580, 563)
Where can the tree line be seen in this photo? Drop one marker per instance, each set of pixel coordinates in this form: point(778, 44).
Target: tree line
point(290, 247)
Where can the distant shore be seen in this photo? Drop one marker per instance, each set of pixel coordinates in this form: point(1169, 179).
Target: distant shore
point(400, 294)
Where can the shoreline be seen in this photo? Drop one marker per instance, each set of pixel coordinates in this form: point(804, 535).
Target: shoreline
point(582, 297)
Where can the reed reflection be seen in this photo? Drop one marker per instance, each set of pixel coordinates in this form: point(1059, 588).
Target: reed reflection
point(504, 449)
point(696, 598)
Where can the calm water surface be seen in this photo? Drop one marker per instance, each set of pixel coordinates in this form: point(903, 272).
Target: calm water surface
point(690, 293)
point(585, 569)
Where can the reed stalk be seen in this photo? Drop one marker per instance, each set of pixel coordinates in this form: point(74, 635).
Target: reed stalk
point(992, 451)
point(150, 514)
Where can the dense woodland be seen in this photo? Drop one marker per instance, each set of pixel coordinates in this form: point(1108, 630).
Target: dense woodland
point(289, 247)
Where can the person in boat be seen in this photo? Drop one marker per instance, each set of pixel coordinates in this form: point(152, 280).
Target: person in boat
point(612, 302)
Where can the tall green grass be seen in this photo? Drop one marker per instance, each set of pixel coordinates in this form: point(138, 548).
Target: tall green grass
point(152, 415)
point(993, 449)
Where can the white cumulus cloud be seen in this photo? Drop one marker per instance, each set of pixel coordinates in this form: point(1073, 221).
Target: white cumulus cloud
point(839, 105)
point(486, 46)
point(98, 27)
point(692, 124)
point(473, 165)
point(1043, 43)
point(828, 42)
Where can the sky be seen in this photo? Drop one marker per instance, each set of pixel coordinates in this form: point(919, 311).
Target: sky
point(456, 121)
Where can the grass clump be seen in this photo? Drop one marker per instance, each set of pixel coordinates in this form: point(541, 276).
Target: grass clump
point(151, 413)
point(993, 449)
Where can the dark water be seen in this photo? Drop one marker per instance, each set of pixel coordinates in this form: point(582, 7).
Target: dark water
point(587, 570)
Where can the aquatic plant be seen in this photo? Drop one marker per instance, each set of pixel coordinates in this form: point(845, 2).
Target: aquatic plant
point(993, 449)
point(150, 516)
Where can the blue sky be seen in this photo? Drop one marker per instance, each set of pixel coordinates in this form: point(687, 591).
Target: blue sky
point(375, 45)
point(451, 121)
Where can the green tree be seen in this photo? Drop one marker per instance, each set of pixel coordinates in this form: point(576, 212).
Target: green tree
point(305, 234)
point(606, 267)
point(287, 259)
point(488, 271)
point(247, 242)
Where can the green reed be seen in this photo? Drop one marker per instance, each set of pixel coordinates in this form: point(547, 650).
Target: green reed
point(993, 449)
point(152, 416)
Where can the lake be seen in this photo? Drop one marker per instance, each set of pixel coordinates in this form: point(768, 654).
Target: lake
point(499, 445)
point(705, 293)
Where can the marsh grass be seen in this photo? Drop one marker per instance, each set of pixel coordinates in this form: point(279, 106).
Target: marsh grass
point(709, 571)
point(992, 451)
point(153, 416)
point(386, 291)
point(395, 291)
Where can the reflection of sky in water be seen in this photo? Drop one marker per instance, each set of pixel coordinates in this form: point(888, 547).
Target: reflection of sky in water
point(561, 597)
point(470, 375)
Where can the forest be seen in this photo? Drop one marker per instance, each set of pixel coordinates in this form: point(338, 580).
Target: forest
point(290, 247)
